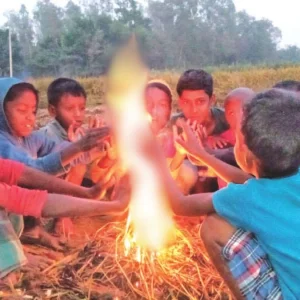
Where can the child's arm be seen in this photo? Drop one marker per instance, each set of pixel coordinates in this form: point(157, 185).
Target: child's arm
point(193, 146)
point(35, 179)
point(193, 205)
point(39, 203)
point(92, 140)
point(66, 206)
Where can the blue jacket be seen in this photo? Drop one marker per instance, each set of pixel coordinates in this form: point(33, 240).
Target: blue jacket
point(36, 150)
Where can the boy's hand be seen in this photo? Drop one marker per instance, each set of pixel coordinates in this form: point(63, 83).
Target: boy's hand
point(93, 138)
point(75, 134)
point(216, 142)
point(122, 192)
point(96, 121)
point(189, 141)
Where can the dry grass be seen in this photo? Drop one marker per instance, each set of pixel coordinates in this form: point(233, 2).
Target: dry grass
point(225, 81)
point(100, 270)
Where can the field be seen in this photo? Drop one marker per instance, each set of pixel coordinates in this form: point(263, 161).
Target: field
point(257, 79)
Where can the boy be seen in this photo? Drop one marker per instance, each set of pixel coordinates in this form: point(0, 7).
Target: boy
point(197, 100)
point(39, 203)
point(234, 103)
point(66, 104)
point(252, 228)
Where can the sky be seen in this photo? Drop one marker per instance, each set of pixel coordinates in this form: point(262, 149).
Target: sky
point(285, 17)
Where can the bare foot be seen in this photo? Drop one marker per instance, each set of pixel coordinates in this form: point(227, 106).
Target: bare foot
point(37, 262)
point(64, 227)
point(39, 236)
point(11, 279)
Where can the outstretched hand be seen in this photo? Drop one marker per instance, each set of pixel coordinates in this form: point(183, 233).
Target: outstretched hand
point(190, 140)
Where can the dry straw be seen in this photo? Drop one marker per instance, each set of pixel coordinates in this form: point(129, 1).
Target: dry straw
point(100, 270)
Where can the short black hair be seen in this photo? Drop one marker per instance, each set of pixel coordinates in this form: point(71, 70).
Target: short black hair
point(162, 87)
point(18, 89)
point(62, 86)
point(195, 80)
point(289, 85)
point(271, 130)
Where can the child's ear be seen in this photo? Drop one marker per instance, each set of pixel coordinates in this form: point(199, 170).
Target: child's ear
point(52, 110)
point(213, 100)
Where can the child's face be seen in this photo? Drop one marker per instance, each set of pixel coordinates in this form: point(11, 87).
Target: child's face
point(233, 111)
point(196, 105)
point(70, 110)
point(21, 113)
point(159, 107)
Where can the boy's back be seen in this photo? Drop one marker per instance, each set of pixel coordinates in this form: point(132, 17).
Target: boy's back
point(270, 208)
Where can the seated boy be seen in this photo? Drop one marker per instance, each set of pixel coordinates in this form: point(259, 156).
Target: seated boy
point(196, 101)
point(66, 104)
point(251, 228)
point(36, 203)
point(233, 104)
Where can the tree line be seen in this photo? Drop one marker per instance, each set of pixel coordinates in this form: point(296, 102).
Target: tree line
point(80, 39)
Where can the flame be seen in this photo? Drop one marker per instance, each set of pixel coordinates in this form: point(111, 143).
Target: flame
point(150, 214)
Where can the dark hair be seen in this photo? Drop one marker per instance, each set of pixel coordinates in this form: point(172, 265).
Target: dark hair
point(162, 87)
point(62, 86)
point(289, 85)
point(271, 130)
point(195, 80)
point(18, 89)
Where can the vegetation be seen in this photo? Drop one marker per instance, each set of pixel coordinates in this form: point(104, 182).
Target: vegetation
point(79, 40)
point(225, 80)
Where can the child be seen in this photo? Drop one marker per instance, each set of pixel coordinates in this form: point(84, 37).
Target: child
point(252, 239)
point(158, 98)
point(18, 106)
point(66, 104)
point(197, 100)
point(39, 203)
point(233, 104)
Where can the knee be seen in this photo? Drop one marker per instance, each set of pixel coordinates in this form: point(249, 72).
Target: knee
point(208, 228)
point(216, 230)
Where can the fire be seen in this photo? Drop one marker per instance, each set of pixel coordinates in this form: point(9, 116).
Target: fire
point(150, 222)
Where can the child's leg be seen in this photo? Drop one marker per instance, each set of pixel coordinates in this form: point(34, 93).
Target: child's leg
point(240, 260)
point(12, 256)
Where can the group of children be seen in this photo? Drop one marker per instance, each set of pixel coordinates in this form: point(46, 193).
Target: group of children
point(238, 166)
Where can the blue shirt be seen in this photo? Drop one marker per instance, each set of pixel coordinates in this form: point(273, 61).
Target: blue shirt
point(270, 208)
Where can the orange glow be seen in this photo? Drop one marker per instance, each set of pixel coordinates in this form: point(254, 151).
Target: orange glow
point(150, 215)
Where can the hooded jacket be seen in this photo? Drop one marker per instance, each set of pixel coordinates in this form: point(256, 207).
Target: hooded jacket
point(36, 150)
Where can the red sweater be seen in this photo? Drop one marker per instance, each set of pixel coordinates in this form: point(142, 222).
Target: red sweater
point(15, 199)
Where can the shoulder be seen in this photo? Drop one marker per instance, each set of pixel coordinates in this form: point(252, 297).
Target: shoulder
point(235, 191)
point(218, 111)
point(220, 120)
